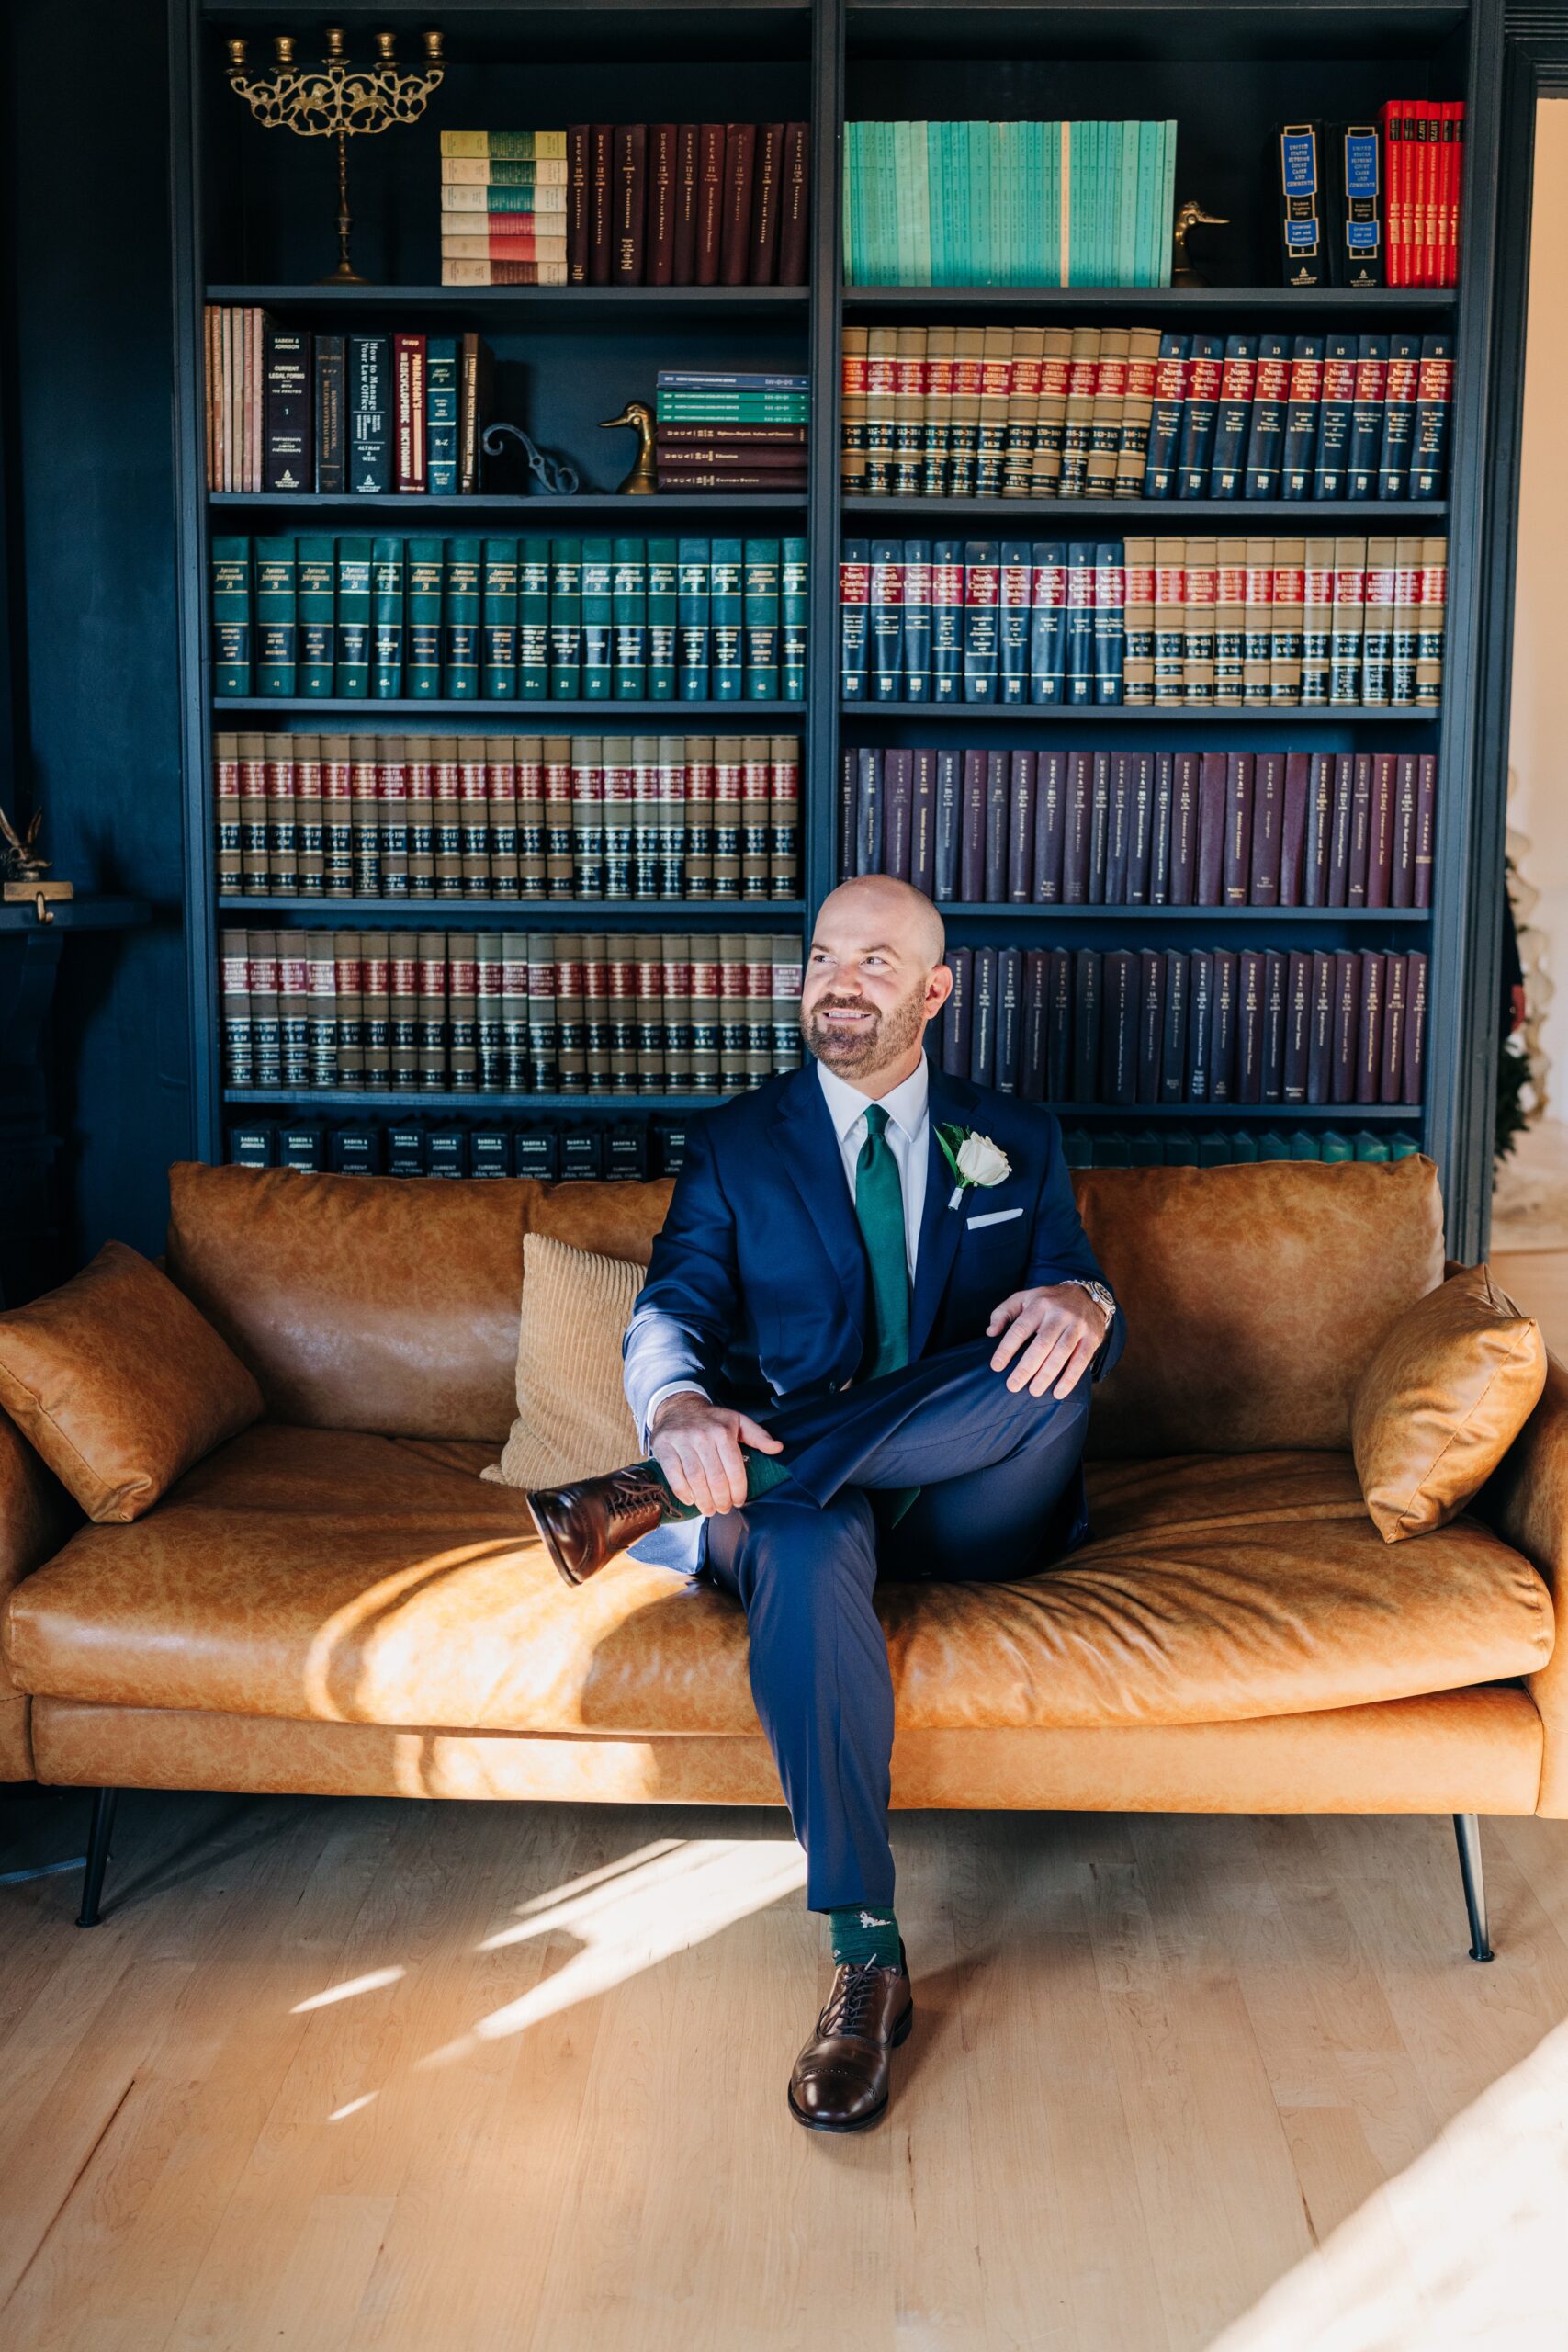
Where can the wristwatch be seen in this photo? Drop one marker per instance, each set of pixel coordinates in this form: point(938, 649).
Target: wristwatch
point(1096, 1291)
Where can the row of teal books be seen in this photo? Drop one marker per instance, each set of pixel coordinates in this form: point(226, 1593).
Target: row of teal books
point(1180, 1148)
point(356, 619)
point(1009, 203)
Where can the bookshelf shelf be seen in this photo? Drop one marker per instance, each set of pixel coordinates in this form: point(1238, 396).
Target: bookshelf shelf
point(488, 716)
point(248, 229)
point(409, 1104)
point(1187, 301)
point(503, 914)
point(639, 306)
point(991, 910)
point(558, 510)
point(1263, 714)
point(1129, 1113)
point(906, 515)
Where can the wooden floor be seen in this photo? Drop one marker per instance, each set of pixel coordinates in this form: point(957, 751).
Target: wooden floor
point(366, 2074)
point(401, 2077)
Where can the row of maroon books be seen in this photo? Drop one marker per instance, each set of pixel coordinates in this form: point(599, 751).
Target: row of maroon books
point(1188, 1025)
point(1143, 828)
point(687, 203)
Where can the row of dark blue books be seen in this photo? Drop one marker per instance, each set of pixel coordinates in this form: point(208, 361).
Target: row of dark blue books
point(1123, 1027)
point(548, 1150)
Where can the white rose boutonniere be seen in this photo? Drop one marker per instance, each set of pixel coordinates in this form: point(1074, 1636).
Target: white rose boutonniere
point(973, 1160)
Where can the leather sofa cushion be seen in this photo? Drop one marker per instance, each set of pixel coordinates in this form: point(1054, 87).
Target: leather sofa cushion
point(1254, 1295)
point(573, 1420)
point(383, 1302)
point(120, 1384)
point(1441, 1402)
point(321, 1575)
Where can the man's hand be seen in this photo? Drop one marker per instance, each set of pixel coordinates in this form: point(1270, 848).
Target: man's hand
point(1062, 1325)
point(697, 1445)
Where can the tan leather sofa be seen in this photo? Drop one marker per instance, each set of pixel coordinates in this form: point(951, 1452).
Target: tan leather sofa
point(335, 1601)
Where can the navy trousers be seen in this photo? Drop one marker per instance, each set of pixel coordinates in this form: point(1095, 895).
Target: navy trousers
point(803, 1560)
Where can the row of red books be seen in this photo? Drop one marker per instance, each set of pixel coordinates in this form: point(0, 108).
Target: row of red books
point(1422, 165)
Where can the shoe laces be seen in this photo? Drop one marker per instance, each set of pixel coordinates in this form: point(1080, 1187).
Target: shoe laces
point(632, 1499)
point(854, 2000)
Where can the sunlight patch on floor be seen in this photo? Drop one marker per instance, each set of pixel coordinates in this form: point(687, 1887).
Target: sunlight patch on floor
point(373, 1981)
point(684, 1891)
point(1467, 2248)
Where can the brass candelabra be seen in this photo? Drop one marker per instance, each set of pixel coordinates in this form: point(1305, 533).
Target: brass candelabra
point(337, 100)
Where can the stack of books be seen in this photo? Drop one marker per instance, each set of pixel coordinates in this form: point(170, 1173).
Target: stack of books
point(506, 619)
point(1009, 203)
point(1194, 1026)
point(946, 411)
point(504, 202)
point(1194, 624)
point(292, 411)
point(707, 818)
point(723, 432)
point(626, 204)
point(1183, 828)
point(508, 1012)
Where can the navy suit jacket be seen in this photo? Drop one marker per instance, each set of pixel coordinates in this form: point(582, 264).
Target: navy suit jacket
point(759, 1285)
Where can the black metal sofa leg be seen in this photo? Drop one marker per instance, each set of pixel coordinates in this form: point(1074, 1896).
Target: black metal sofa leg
point(1467, 1831)
point(99, 1834)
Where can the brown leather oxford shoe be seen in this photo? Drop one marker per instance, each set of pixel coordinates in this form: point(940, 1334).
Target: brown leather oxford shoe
point(840, 2082)
point(583, 1525)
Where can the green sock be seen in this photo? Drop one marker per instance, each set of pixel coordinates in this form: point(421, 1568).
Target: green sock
point(764, 1471)
point(861, 1934)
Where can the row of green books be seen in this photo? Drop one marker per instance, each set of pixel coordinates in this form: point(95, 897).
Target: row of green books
point(1009, 203)
point(351, 618)
point(1180, 1148)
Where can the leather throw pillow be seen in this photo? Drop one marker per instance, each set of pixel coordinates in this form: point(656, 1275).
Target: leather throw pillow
point(573, 1420)
point(1447, 1393)
point(120, 1384)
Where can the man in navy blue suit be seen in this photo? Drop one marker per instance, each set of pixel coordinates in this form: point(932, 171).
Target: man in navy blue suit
point(866, 1345)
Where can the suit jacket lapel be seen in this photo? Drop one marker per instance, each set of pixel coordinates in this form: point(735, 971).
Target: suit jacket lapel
point(803, 1135)
point(950, 1102)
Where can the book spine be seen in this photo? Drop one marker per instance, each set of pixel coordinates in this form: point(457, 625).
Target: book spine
point(566, 620)
point(1429, 432)
point(233, 654)
point(663, 166)
point(329, 422)
point(441, 420)
point(726, 606)
point(761, 620)
point(369, 434)
point(1298, 185)
point(276, 617)
point(628, 613)
point(1301, 405)
point(598, 620)
point(981, 593)
point(408, 376)
point(460, 632)
point(286, 456)
point(1331, 458)
point(629, 223)
point(795, 206)
point(387, 619)
point(663, 605)
point(739, 167)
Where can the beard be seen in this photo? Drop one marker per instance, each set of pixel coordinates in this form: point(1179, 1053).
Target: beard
point(861, 1053)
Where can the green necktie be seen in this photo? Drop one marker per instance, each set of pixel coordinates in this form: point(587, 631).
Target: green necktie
point(879, 1205)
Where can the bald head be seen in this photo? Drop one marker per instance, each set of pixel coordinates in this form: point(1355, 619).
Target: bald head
point(873, 976)
point(896, 909)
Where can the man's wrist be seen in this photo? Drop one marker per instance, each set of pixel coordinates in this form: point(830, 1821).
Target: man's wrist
point(661, 1397)
point(1098, 1291)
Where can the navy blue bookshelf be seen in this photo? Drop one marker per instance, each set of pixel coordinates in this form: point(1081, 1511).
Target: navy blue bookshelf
point(252, 224)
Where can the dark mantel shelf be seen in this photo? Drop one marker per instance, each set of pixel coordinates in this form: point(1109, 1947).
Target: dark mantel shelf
point(78, 914)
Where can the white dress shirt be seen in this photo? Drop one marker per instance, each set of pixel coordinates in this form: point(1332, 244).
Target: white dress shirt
point(907, 1132)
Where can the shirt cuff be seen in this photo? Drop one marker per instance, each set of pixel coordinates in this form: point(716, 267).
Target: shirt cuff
point(671, 1388)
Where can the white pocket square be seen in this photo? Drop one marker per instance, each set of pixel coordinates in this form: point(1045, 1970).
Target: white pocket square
point(992, 1216)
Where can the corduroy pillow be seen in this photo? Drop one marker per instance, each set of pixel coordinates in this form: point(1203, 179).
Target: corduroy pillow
point(573, 1420)
point(120, 1384)
point(1442, 1400)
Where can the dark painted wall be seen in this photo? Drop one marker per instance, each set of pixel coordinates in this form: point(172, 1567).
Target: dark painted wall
point(90, 517)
